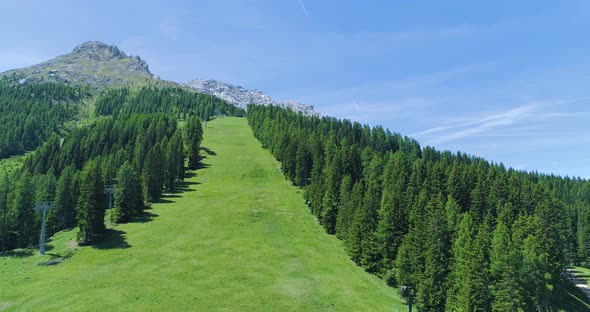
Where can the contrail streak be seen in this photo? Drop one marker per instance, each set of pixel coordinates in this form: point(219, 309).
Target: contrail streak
point(357, 107)
point(303, 7)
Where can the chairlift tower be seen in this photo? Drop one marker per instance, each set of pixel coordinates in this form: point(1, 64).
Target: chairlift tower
point(109, 190)
point(43, 206)
point(407, 293)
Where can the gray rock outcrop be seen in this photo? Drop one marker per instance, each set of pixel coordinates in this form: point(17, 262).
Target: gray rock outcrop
point(241, 97)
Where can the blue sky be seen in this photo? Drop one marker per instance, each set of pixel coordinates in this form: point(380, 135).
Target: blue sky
point(505, 80)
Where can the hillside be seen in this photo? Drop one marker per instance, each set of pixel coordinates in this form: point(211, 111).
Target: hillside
point(463, 233)
point(237, 238)
point(90, 63)
point(100, 65)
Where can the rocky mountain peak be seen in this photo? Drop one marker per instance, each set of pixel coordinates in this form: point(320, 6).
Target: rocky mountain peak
point(241, 96)
point(100, 66)
point(98, 51)
point(91, 63)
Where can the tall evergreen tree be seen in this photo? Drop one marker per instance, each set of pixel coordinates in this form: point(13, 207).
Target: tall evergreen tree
point(345, 208)
point(3, 209)
point(480, 269)
point(303, 159)
point(506, 262)
point(174, 161)
point(194, 135)
point(90, 209)
point(152, 177)
point(462, 292)
point(65, 199)
point(393, 218)
point(583, 233)
point(333, 177)
point(551, 217)
point(23, 206)
point(432, 289)
point(128, 199)
point(368, 218)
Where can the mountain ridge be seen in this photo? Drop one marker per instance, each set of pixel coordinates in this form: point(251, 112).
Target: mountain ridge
point(91, 63)
point(241, 96)
point(101, 65)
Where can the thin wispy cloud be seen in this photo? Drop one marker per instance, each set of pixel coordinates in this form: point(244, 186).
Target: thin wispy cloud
point(356, 106)
point(478, 126)
point(303, 8)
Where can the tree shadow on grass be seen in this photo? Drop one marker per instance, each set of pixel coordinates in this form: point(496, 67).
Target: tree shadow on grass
point(162, 200)
point(185, 186)
point(56, 258)
point(188, 175)
point(145, 216)
point(200, 165)
point(19, 253)
point(208, 151)
point(171, 195)
point(113, 239)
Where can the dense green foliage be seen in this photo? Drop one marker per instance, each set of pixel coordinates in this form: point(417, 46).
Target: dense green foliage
point(140, 149)
point(177, 101)
point(128, 199)
point(90, 210)
point(194, 134)
point(463, 233)
point(238, 237)
point(30, 114)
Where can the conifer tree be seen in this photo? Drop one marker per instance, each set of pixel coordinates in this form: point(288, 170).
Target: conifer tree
point(393, 218)
point(174, 161)
point(90, 208)
point(370, 256)
point(23, 206)
point(152, 177)
point(462, 292)
point(333, 177)
point(480, 269)
point(330, 211)
point(478, 206)
point(456, 186)
point(128, 199)
point(583, 233)
point(404, 264)
point(3, 210)
point(433, 285)
point(65, 199)
point(345, 208)
point(453, 213)
point(303, 165)
point(194, 135)
point(356, 231)
point(506, 262)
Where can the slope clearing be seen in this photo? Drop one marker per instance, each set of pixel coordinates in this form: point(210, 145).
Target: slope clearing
point(238, 238)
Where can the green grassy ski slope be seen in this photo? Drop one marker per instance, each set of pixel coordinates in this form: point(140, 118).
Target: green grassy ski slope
point(238, 238)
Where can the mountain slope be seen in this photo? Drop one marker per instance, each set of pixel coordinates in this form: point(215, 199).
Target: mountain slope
point(241, 97)
point(101, 65)
point(239, 238)
point(90, 63)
